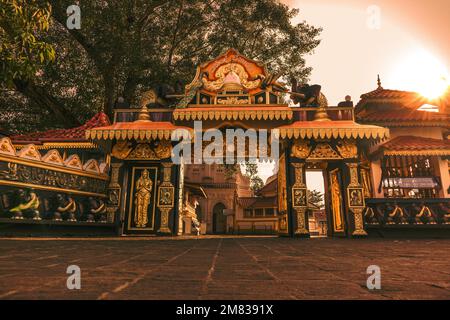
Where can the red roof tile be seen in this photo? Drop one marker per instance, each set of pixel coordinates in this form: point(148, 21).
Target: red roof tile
point(57, 135)
point(270, 186)
point(141, 125)
point(401, 114)
point(408, 143)
point(381, 93)
point(257, 202)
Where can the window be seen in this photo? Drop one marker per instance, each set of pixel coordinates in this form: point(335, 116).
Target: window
point(248, 213)
point(270, 211)
point(259, 212)
point(409, 177)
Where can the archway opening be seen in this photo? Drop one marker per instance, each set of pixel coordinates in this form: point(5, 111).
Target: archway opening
point(317, 216)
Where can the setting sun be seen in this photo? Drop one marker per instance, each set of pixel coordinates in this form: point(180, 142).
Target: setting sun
point(421, 72)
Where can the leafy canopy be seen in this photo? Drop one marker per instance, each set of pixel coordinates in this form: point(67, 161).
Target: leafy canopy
point(125, 47)
point(22, 50)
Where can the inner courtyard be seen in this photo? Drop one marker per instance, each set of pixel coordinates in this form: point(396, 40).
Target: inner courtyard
point(224, 267)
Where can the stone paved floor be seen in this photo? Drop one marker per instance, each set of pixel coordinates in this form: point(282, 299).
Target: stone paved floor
point(224, 268)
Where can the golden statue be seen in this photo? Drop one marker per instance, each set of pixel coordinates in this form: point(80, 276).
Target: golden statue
point(336, 203)
point(142, 199)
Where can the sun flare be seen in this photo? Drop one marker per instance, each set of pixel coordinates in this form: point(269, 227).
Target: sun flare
point(422, 72)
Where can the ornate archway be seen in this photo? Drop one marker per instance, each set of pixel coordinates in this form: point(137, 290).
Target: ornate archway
point(240, 92)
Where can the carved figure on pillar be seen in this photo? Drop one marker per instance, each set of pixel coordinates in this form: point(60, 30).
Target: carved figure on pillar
point(299, 199)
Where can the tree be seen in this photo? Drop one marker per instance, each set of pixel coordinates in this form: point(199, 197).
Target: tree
point(315, 199)
point(22, 51)
point(251, 171)
point(123, 48)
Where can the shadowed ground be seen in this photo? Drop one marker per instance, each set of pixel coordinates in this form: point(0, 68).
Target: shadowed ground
point(224, 268)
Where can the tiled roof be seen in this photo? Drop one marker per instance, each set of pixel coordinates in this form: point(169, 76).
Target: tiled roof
point(415, 143)
point(401, 114)
point(270, 186)
point(63, 135)
point(257, 202)
point(342, 129)
point(381, 93)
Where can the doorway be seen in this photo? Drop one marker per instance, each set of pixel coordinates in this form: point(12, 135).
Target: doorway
point(219, 219)
point(317, 215)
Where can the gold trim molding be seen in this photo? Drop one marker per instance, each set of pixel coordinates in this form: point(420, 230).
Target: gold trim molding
point(364, 132)
point(445, 152)
point(137, 134)
point(48, 188)
point(52, 160)
point(186, 114)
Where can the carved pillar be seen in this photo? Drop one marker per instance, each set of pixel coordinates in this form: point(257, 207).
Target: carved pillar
point(355, 200)
point(114, 192)
point(300, 200)
point(166, 198)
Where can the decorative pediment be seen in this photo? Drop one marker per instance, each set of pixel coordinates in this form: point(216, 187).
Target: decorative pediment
point(324, 151)
point(347, 149)
point(92, 166)
point(161, 149)
point(300, 149)
point(53, 157)
point(230, 71)
point(74, 161)
point(6, 147)
point(29, 152)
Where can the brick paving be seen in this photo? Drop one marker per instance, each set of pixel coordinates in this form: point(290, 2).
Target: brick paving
point(224, 268)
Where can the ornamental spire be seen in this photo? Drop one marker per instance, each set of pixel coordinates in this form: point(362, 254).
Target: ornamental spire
point(379, 82)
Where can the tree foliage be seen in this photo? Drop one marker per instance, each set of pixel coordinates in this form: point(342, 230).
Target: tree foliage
point(22, 50)
point(124, 47)
point(251, 171)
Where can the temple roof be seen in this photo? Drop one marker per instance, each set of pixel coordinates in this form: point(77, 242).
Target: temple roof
point(332, 129)
point(257, 202)
point(196, 189)
point(270, 186)
point(403, 116)
point(381, 93)
point(401, 108)
point(76, 135)
point(413, 145)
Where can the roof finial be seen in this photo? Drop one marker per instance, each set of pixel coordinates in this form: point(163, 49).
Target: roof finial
point(379, 82)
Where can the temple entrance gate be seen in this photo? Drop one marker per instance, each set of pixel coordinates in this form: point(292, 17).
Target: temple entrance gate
point(233, 91)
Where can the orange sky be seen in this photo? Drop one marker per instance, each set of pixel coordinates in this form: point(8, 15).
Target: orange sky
point(351, 54)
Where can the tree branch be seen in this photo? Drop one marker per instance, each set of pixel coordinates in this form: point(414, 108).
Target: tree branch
point(40, 96)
